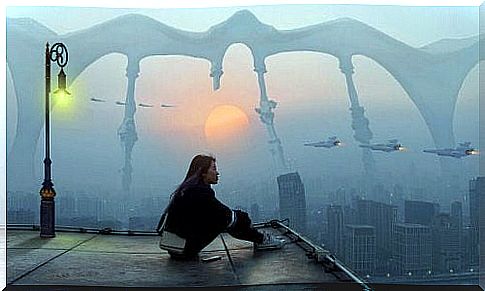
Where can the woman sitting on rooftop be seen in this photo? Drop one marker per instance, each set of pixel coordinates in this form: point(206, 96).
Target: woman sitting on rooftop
point(196, 216)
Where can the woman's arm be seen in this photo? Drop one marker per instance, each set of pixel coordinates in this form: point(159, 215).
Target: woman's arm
point(207, 209)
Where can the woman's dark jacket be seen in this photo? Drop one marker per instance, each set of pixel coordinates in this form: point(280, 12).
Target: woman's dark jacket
point(195, 212)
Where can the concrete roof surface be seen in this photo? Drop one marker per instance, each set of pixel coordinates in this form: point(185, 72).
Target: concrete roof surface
point(93, 259)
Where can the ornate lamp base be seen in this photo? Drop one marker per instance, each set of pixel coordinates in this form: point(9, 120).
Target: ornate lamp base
point(47, 218)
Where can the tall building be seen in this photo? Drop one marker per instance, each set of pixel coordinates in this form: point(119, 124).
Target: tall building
point(360, 248)
point(350, 215)
point(339, 197)
point(148, 206)
point(447, 254)
point(383, 217)
point(255, 213)
point(477, 191)
point(144, 223)
point(420, 212)
point(456, 215)
point(21, 216)
point(292, 200)
point(470, 247)
point(22, 207)
point(477, 221)
point(88, 206)
point(397, 199)
point(412, 248)
point(23, 200)
point(65, 209)
point(335, 241)
point(379, 193)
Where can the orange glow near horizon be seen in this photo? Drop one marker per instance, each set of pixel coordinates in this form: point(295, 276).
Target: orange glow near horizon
point(224, 121)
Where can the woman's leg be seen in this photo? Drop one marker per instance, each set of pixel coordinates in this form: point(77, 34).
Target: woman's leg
point(243, 229)
point(194, 245)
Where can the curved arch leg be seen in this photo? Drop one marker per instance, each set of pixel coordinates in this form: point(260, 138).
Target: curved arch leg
point(266, 115)
point(360, 123)
point(127, 130)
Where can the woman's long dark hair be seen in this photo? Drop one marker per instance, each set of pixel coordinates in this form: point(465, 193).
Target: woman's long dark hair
point(199, 165)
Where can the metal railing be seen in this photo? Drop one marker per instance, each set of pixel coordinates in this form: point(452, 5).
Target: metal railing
point(318, 253)
point(65, 228)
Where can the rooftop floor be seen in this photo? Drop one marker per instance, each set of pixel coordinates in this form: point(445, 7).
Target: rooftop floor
point(93, 259)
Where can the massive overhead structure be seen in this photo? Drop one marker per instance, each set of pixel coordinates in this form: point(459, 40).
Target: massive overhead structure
point(431, 76)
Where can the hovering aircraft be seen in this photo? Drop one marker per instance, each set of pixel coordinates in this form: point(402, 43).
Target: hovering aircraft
point(97, 100)
point(167, 105)
point(329, 143)
point(144, 105)
point(462, 150)
point(392, 146)
point(120, 103)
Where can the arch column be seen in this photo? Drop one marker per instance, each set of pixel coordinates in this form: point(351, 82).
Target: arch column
point(216, 73)
point(360, 123)
point(127, 130)
point(266, 115)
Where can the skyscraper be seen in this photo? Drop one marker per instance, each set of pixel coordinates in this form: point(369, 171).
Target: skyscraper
point(66, 210)
point(255, 212)
point(456, 213)
point(477, 191)
point(447, 254)
point(457, 218)
point(470, 247)
point(383, 217)
point(412, 248)
point(335, 241)
point(360, 248)
point(292, 200)
point(420, 212)
point(477, 221)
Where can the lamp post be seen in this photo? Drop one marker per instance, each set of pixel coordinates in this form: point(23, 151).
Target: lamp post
point(57, 53)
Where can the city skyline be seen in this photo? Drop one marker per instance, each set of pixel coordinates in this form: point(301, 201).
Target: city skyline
point(252, 86)
point(355, 219)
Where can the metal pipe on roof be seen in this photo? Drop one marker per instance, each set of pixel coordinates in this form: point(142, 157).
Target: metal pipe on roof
point(320, 254)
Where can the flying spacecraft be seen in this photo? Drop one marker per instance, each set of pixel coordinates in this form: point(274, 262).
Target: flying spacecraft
point(120, 103)
point(97, 100)
point(462, 150)
point(167, 105)
point(144, 105)
point(392, 146)
point(329, 143)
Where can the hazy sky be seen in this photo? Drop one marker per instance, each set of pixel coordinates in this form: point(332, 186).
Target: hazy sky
point(309, 87)
point(401, 22)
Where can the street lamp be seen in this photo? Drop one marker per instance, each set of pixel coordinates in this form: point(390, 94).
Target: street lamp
point(57, 53)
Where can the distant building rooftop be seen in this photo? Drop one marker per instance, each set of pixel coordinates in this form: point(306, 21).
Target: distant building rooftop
point(112, 260)
point(411, 225)
point(359, 226)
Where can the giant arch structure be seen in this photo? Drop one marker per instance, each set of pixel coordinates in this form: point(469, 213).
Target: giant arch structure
point(432, 76)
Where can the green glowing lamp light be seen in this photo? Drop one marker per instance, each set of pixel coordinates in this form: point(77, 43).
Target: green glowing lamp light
point(61, 94)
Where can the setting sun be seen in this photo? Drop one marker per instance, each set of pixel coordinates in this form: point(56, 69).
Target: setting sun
point(225, 121)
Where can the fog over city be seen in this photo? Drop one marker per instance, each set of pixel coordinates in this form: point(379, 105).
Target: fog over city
point(356, 125)
point(313, 104)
